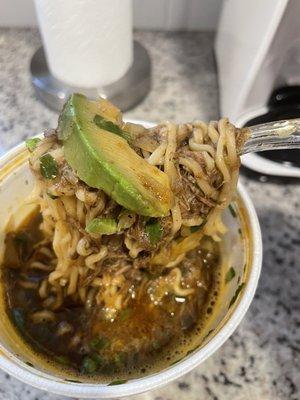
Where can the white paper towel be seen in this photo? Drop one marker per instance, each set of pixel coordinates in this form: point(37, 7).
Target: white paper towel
point(88, 43)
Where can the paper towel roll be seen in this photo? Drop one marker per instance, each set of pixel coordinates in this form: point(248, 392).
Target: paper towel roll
point(88, 43)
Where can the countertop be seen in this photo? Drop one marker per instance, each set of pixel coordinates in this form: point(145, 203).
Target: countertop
point(261, 359)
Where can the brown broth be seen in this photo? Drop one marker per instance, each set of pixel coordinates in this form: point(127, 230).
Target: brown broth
point(143, 337)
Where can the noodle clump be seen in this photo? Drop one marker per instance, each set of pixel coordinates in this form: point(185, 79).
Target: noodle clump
point(109, 270)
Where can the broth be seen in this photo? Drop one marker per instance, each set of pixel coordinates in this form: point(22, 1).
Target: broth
point(154, 330)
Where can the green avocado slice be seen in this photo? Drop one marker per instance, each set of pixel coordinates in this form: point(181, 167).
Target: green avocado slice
point(104, 160)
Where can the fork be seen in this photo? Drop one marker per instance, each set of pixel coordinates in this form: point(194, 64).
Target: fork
point(276, 135)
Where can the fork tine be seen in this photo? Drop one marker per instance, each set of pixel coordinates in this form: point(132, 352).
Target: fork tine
point(274, 135)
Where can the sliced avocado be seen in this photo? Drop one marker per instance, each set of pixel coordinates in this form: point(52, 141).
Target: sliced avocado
point(104, 160)
point(103, 123)
point(109, 111)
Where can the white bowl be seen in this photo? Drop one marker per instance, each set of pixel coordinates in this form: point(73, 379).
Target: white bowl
point(245, 252)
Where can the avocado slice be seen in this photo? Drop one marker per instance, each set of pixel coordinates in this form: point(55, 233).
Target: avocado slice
point(104, 160)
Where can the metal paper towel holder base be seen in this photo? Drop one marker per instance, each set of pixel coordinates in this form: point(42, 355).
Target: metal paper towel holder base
point(125, 93)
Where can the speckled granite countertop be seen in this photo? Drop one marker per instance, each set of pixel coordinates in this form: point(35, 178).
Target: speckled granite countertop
point(261, 359)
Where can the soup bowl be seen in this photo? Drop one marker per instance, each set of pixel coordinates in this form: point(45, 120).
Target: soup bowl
point(242, 250)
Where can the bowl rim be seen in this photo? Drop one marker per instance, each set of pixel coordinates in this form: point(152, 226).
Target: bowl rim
point(40, 380)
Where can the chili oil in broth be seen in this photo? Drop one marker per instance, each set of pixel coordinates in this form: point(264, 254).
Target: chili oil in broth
point(153, 331)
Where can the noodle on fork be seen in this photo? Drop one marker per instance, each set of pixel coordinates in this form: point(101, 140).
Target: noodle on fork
point(202, 165)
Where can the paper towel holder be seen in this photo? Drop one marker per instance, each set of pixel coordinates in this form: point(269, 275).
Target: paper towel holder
point(126, 92)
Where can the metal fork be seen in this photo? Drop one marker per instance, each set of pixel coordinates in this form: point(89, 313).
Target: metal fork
point(277, 135)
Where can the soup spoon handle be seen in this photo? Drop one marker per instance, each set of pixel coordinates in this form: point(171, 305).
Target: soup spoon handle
point(276, 135)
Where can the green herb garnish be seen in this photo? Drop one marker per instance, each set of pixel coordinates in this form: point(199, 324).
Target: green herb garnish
point(117, 382)
point(103, 226)
point(64, 360)
point(99, 343)
point(154, 230)
point(96, 357)
point(32, 143)
point(88, 365)
point(232, 211)
point(48, 166)
point(106, 125)
point(230, 274)
point(236, 294)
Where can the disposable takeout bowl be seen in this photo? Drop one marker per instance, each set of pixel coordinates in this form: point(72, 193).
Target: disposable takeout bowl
point(242, 246)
